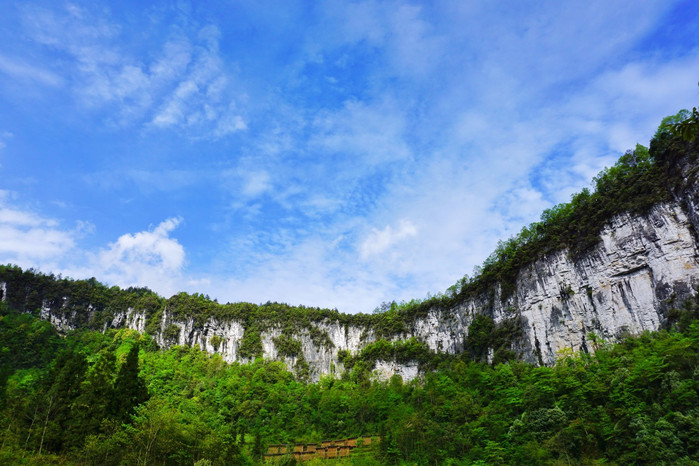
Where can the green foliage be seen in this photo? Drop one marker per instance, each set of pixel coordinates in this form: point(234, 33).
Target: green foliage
point(480, 336)
point(669, 124)
point(171, 334)
point(129, 387)
point(485, 334)
point(682, 318)
point(98, 400)
point(402, 351)
point(250, 345)
point(196, 306)
point(287, 346)
point(630, 403)
point(320, 338)
point(216, 341)
point(688, 128)
point(343, 356)
point(302, 369)
point(388, 323)
point(25, 342)
point(56, 400)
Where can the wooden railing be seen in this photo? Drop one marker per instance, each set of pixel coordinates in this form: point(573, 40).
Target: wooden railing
point(325, 449)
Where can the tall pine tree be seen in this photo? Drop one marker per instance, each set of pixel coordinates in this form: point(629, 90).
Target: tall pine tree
point(93, 405)
point(57, 399)
point(129, 388)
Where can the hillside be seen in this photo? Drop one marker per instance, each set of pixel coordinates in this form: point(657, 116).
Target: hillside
point(80, 399)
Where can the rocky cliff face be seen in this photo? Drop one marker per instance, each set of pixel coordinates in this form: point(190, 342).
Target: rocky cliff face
point(321, 358)
point(624, 285)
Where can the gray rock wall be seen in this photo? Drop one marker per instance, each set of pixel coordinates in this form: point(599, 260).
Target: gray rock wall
point(622, 286)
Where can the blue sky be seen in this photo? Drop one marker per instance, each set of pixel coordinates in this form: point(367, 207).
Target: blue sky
point(335, 154)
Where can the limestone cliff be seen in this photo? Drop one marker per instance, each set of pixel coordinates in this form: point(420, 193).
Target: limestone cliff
point(622, 286)
point(641, 265)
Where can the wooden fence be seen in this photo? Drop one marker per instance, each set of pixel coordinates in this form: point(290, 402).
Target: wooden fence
point(325, 449)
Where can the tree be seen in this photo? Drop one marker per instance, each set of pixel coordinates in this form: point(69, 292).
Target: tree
point(688, 128)
point(92, 406)
point(58, 399)
point(668, 123)
point(480, 333)
point(129, 387)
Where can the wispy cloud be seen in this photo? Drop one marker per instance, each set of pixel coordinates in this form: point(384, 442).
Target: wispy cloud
point(184, 85)
point(21, 70)
point(379, 241)
point(28, 238)
point(256, 183)
point(469, 148)
point(370, 131)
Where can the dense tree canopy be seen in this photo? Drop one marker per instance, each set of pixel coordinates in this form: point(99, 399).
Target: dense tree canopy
point(633, 402)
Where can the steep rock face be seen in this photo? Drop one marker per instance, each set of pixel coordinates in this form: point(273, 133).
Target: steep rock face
point(641, 265)
point(230, 334)
point(322, 358)
point(621, 286)
point(129, 319)
point(63, 321)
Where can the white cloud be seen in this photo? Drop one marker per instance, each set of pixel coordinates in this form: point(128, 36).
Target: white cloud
point(183, 85)
point(28, 245)
point(229, 122)
point(19, 218)
point(313, 272)
point(173, 60)
point(173, 113)
point(374, 132)
point(409, 43)
point(378, 241)
point(20, 70)
point(256, 184)
point(147, 258)
point(29, 239)
point(200, 98)
point(627, 103)
point(416, 46)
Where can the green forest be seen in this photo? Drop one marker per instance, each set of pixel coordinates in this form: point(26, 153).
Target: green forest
point(114, 398)
point(99, 395)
